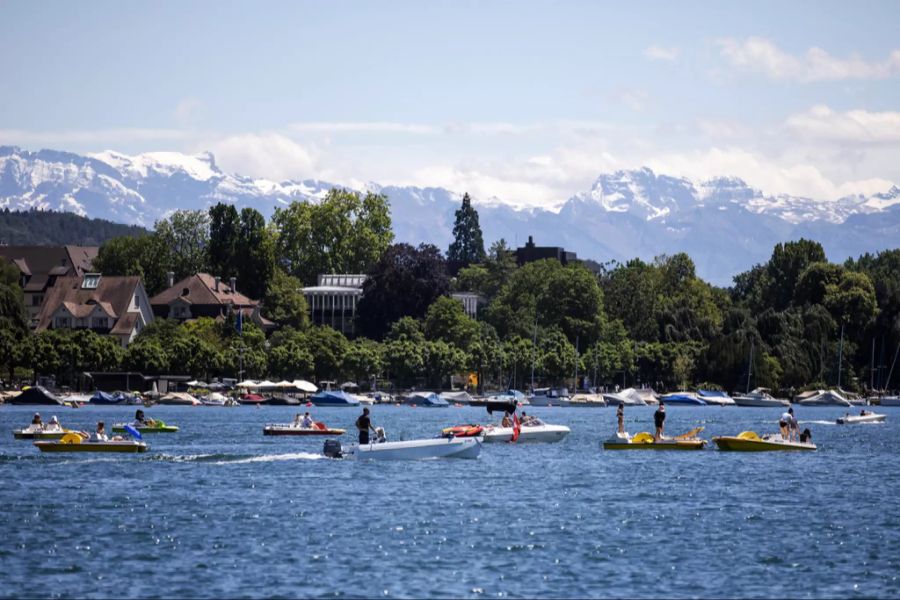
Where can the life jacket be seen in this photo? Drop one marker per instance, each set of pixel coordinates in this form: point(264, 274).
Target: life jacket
point(462, 431)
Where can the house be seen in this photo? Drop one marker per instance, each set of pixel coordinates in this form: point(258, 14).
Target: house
point(40, 267)
point(531, 253)
point(116, 306)
point(470, 302)
point(204, 295)
point(333, 301)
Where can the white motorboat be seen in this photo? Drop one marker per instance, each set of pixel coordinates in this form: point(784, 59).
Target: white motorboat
point(864, 417)
point(440, 447)
point(760, 397)
point(627, 397)
point(214, 399)
point(540, 432)
point(821, 398)
point(715, 397)
point(587, 400)
point(549, 397)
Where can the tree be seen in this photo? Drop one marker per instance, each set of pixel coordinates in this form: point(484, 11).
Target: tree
point(363, 359)
point(13, 316)
point(467, 246)
point(441, 360)
point(632, 293)
point(344, 233)
point(145, 256)
point(447, 320)
point(405, 282)
point(146, 356)
point(186, 234)
point(284, 302)
point(784, 268)
point(255, 259)
point(224, 231)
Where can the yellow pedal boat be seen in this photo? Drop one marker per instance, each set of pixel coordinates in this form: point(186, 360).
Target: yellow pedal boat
point(73, 442)
point(645, 441)
point(750, 441)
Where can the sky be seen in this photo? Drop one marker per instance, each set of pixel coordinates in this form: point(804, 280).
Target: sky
point(522, 102)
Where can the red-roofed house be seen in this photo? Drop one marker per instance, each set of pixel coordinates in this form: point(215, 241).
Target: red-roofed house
point(203, 295)
point(117, 306)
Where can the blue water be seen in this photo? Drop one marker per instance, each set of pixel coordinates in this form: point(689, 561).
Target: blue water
point(219, 510)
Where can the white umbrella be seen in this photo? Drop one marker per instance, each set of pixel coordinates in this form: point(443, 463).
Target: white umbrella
point(305, 386)
point(284, 384)
point(196, 383)
point(266, 384)
point(247, 384)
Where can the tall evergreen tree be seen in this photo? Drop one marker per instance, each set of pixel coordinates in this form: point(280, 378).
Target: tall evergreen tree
point(224, 231)
point(468, 245)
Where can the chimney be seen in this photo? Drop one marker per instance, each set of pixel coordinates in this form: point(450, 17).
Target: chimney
point(170, 279)
point(233, 282)
point(218, 279)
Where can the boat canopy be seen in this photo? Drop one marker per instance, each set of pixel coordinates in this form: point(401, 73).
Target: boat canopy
point(305, 386)
point(429, 399)
point(104, 398)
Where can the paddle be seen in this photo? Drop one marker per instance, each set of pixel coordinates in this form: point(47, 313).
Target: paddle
point(689, 434)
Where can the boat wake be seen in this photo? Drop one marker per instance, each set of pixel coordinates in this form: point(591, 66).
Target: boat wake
point(234, 459)
point(817, 422)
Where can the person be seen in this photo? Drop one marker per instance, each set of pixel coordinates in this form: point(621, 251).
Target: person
point(298, 420)
point(36, 422)
point(507, 421)
point(307, 421)
point(806, 436)
point(141, 421)
point(784, 423)
point(620, 415)
point(100, 434)
point(364, 425)
point(793, 425)
point(53, 425)
point(380, 436)
point(659, 419)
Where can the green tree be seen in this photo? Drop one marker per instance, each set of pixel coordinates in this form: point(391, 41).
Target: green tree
point(186, 234)
point(284, 302)
point(467, 246)
point(255, 259)
point(784, 268)
point(446, 320)
point(224, 232)
point(441, 360)
point(363, 359)
point(146, 356)
point(145, 256)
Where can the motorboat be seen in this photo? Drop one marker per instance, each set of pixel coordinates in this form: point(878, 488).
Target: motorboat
point(760, 397)
point(215, 399)
point(865, 416)
point(281, 401)
point(549, 397)
point(297, 429)
point(251, 399)
point(333, 398)
point(750, 441)
point(439, 447)
point(627, 397)
point(179, 399)
point(461, 397)
point(40, 432)
point(716, 397)
point(587, 400)
point(821, 398)
point(688, 398)
point(425, 399)
point(531, 431)
point(381, 398)
point(74, 442)
point(509, 397)
point(646, 441)
point(157, 427)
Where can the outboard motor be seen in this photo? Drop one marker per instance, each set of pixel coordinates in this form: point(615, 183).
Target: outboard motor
point(333, 449)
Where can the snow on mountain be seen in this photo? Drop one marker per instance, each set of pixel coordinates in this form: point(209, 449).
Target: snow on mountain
point(724, 224)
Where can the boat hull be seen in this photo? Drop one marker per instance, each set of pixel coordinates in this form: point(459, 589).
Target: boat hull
point(38, 435)
point(302, 431)
point(738, 444)
point(416, 449)
point(126, 446)
point(853, 420)
point(545, 434)
point(661, 445)
point(760, 402)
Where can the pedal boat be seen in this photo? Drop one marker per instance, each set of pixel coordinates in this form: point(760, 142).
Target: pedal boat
point(750, 441)
point(542, 433)
point(160, 427)
point(645, 441)
point(432, 448)
point(291, 429)
point(33, 433)
point(73, 442)
point(867, 418)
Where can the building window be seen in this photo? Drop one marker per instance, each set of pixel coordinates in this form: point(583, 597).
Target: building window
point(90, 281)
point(62, 321)
point(36, 300)
point(100, 323)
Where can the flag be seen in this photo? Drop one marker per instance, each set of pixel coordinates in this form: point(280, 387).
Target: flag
point(516, 428)
point(239, 322)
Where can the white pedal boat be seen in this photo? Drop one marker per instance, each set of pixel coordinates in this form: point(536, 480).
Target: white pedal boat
point(867, 418)
point(466, 447)
point(543, 433)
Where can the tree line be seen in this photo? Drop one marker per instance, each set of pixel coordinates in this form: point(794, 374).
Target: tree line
point(794, 322)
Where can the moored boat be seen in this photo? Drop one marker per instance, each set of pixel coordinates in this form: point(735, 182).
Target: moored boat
point(689, 398)
point(864, 417)
point(716, 397)
point(425, 399)
point(439, 447)
point(760, 397)
point(645, 441)
point(750, 441)
point(627, 397)
point(890, 401)
point(333, 398)
point(291, 429)
point(549, 397)
point(821, 398)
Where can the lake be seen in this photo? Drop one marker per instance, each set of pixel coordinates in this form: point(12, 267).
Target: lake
point(218, 510)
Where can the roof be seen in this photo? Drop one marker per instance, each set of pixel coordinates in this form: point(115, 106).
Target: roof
point(332, 289)
point(200, 289)
point(342, 280)
point(114, 294)
point(125, 325)
point(51, 260)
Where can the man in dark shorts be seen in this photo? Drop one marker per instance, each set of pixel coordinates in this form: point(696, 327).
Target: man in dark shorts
point(364, 424)
point(659, 419)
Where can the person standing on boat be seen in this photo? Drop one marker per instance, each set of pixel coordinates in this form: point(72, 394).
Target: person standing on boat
point(793, 425)
point(364, 425)
point(784, 423)
point(659, 419)
point(620, 415)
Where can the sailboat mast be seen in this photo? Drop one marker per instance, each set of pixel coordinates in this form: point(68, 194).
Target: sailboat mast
point(576, 363)
point(533, 352)
point(840, 355)
point(749, 368)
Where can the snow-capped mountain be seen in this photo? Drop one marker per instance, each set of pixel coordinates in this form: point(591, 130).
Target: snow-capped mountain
point(725, 225)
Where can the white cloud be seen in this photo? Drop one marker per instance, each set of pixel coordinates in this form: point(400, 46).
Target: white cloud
point(849, 127)
point(662, 53)
point(762, 55)
point(269, 155)
point(187, 109)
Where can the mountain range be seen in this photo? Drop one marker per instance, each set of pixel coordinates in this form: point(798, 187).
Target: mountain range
point(725, 225)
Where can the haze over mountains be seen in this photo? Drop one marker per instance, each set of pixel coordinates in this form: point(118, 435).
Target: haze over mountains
point(723, 224)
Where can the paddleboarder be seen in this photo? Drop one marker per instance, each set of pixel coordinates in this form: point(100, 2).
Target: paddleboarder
point(364, 425)
point(659, 419)
point(620, 415)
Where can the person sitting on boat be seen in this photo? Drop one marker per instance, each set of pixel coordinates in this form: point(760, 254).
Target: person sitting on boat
point(806, 436)
point(364, 425)
point(36, 422)
point(307, 421)
point(659, 419)
point(380, 435)
point(141, 421)
point(53, 425)
point(620, 415)
point(507, 421)
point(100, 434)
point(862, 413)
point(298, 420)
